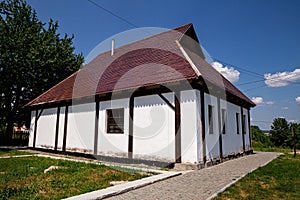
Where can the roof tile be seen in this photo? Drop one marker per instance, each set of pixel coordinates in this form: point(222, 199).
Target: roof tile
point(153, 60)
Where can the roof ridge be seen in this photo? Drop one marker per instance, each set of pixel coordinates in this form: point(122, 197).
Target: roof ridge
point(147, 38)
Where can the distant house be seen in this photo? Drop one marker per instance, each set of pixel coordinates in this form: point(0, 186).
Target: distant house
point(154, 99)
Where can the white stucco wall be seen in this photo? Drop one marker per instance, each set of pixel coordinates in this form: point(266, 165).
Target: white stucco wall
point(45, 137)
point(154, 128)
point(80, 130)
point(113, 144)
point(32, 127)
point(212, 140)
point(232, 142)
point(61, 128)
point(153, 131)
point(191, 146)
point(247, 140)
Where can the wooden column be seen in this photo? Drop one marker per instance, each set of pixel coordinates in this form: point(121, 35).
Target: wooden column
point(203, 125)
point(35, 128)
point(130, 134)
point(57, 128)
point(243, 129)
point(220, 127)
point(65, 128)
point(96, 132)
point(177, 127)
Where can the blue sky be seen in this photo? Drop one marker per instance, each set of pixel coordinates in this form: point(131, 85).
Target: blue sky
point(259, 38)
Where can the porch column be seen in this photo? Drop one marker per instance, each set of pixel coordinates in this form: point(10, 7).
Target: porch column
point(57, 128)
point(219, 127)
point(96, 126)
point(37, 116)
point(203, 125)
point(130, 134)
point(35, 127)
point(65, 128)
point(177, 127)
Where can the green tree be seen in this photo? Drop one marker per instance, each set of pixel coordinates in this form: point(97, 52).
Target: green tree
point(289, 140)
point(280, 132)
point(260, 139)
point(33, 58)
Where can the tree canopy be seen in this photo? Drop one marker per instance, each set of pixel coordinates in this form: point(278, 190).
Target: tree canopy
point(33, 58)
point(280, 131)
point(259, 138)
point(280, 135)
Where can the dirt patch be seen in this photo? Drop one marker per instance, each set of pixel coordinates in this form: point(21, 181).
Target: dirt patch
point(263, 185)
point(243, 194)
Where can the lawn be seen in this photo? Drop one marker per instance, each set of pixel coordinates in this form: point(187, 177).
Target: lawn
point(24, 178)
point(273, 149)
point(12, 152)
point(280, 179)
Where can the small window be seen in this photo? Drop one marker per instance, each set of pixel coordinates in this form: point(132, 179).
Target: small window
point(237, 119)
point(210, 119)
point(115, 120)
point(223, 122)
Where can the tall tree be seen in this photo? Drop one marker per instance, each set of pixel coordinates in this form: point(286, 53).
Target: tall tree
point(33, 57)
point(280, 132)
point(290, 139)
point(259, 138)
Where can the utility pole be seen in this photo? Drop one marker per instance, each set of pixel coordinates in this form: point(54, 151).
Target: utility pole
point(294, 139)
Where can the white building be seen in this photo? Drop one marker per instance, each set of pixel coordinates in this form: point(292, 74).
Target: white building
point(155, 99)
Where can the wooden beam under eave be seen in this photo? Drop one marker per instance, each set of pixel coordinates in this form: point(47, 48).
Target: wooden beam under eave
point(166, 101)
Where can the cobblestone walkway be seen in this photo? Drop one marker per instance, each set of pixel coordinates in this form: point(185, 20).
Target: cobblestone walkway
point(200, 184)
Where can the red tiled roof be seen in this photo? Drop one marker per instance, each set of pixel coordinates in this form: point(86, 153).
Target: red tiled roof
point(210, 75)
point(154, 60)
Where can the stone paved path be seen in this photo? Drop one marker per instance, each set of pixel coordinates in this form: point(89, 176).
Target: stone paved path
point(200, 184)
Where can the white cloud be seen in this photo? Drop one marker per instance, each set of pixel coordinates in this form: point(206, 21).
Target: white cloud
point(257, 100)
point(297, 99)
point(281, 79)
point(285, 108)
point(293, 121)
point(228, 72)
point(270, 102)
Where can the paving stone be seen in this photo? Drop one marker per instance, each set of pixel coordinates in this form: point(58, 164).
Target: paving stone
point(201, 184)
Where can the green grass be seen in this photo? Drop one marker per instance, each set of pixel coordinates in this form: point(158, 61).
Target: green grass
point(280, 179)
point(273, 149)
point(24, 178)
point(12, 152)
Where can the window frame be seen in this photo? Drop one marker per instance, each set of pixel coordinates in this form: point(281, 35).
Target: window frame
point(115, 118)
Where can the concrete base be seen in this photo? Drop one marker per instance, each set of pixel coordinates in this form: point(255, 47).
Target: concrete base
point(188, 166)
point(216, 161)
